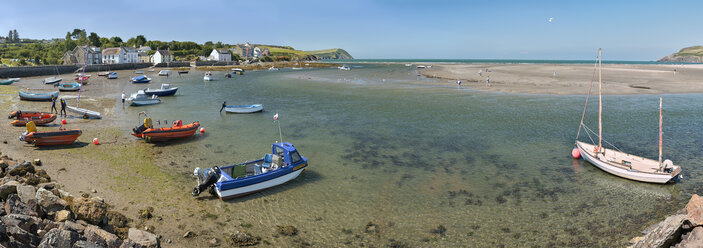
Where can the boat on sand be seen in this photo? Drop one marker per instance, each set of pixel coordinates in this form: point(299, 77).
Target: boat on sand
point(149, 133)
point(47, 138)
point(23, 117)
point(28, 96)
point(85, 113)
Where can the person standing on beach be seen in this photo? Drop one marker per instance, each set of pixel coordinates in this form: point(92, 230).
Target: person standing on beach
point(488, 81)
point(53, 105)
point(458, 82)
point(555, 74)
point(224, 104)
point(123, 97)
point(63, 107)
point(479, 73)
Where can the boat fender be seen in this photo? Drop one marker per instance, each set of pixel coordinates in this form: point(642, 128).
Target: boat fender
point(31, 127)
point(576, 153)
point(148, 123)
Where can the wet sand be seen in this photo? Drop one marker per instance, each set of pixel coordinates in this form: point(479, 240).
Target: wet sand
point(572, 79)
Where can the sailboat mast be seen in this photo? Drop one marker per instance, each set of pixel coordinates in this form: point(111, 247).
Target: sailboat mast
point(600, 102)
point(661, 126)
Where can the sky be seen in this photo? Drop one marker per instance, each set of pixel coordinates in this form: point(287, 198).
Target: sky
point(369, 29)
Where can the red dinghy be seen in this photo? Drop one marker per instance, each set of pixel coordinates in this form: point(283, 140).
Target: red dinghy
point(39, 118)
point(47, 138)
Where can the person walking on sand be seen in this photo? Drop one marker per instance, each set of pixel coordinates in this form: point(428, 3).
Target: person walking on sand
point(63, 107)
point(53, 105)
point(123, 97)
point(488, 81)
point(224, 105)
point(458, 82)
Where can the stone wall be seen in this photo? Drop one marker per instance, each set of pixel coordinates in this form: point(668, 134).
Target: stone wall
point(174, 64)
point(30, 71)
point(215, 63)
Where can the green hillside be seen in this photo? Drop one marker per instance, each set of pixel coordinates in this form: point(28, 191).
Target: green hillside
point(335, 53)
point(690, 51)
point(693, 54)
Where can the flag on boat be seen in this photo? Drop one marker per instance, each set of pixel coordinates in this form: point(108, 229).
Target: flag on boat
point(275, 117)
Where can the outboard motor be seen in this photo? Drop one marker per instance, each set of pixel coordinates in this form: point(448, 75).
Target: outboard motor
point(206, 180)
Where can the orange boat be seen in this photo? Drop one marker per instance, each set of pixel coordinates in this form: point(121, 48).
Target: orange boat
point(60, 137)
point(39, 118)
point(149, 133)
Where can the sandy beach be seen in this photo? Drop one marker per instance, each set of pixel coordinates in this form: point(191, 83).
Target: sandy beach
point(572, 79)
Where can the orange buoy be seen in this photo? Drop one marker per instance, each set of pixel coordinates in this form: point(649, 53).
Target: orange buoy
point(63, 121)
point(202, 130)
point(96, 141)
point(576, 153)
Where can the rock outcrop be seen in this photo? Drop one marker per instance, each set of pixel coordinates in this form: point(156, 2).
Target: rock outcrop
point(685, 229)
point(692, 54)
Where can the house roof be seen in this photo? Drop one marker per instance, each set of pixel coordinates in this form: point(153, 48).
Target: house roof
point(164, 52)
point(222, 51)
point(111, 51)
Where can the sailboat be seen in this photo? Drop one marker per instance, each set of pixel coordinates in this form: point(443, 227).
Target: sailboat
point(617, 162)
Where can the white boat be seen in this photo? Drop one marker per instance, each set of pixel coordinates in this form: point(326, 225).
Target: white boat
point(408, 64)
point(619, 163)
point(15, 79)
point(272, 68)
point(150, 70)
point(164, 72)
point(421, 67)
point(296, 68)
point(52, 80)
point(140, 99)
point(344, 68)
point(207, 76)
point(84, 112)
point(112, 75)
point(243, 109)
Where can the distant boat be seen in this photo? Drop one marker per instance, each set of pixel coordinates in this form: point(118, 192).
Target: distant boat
point(15, 79)
point(408, 64)
point(151, 70)
point(52, 80)
point(141, 79)
point(242, 109)
point(296, 68)
point(140, 71)
point(6, 82)
point(82, 80)
point(421, 67)
point(164, 72)
point(239, 71)
point(273, 68)
point(27, 96)
point(69, 87)
point(165, 90)
point(47, 138)
point(344, 68)
point(85, 113)
point(23, 117)
point(283, 164)
point(103, 74)
point(182, 72)
point(141, 99)
point(207, 76)
point(112, 75)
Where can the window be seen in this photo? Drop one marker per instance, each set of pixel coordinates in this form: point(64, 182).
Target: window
point(295, 157)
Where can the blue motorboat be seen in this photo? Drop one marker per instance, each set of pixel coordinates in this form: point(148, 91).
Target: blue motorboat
point(112, 75)
point(27, 96)
point(141, 79)
point(69, 87)
point(165, 90)
point(280, 166)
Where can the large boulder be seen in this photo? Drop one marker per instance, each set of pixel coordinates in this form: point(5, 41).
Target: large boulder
point(56, 238)
point(111, 240)
point(693, 239)
point(63, 215)
point(72, 226)
point(91, 210)
point(664, 234)
point(13, 205)
point(20, 169)
point(26, 192)
point(86, 244)
point(8, 188)
point(19, 235)
point(694, 210)
point(49, 202)
point(143, 238)
point(28, 223)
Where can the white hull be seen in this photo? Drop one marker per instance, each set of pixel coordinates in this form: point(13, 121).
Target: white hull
point(643, 169)
point(84, 112)
point(243, 110)
point(142, 102)
point(207, 78)
point(259, 186)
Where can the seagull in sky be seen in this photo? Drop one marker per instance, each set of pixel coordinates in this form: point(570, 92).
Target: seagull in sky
point(550, 19)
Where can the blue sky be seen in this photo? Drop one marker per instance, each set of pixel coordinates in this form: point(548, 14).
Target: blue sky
point(626, 30)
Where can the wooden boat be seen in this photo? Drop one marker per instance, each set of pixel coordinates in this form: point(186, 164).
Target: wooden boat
point(52, 80)
point(23, 117)
point(619, 163)
point(141, 79)
point(103, 74)
point(242, 109)
point(140, 99)
point(164, 72)
point(165, 90)
point(6, 82)
point(69, 87)
point(280, 166)
point(112, 75)
point(27, 96)
point(207, 76)
point(85, 113)
point(46, 138)
point(149, 133)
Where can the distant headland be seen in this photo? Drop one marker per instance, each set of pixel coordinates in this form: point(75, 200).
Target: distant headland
point(693, 54)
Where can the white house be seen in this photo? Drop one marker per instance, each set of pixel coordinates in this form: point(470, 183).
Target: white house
point(131, 55)
point(220, 55)
point(119, 55)
point(162, 56)
point(144, 49)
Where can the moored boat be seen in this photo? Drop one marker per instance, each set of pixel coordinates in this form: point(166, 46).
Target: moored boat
point(46, 138)
point(112, 75)
point(149, 133)
point(6, 81)
point(165, 90)
point(103, 73)
point(280, 166)
point(52, 80)
point(141, 79)
point(241, 109)
point(69, 87)
point(182, 72)
point(23, 117)
point(82, 80)
point(344, 68)
point(27, 96)
point(140, 71)
point(85, 113)
point(140, 99)
point(207, 76)
point(164, 72)
point(273, 68)
point(239, 71)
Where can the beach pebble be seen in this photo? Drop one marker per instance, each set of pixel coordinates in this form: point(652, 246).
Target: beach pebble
point(93, 191)
point(37, 162)
point(188, 234)
point(214, 242)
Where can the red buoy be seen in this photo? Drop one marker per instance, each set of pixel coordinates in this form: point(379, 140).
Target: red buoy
point(96, 141)
point(63, 121)
point(576, 153)
point(202, 130)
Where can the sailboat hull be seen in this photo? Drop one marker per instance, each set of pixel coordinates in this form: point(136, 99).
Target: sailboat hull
point(626, 165)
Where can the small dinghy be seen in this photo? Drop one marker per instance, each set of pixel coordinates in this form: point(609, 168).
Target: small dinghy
point(6, 82)
point(141, 72)
point(243, 109)
point(27, 96)
point(82, 80)
point(239, 71)
point(85, 113)
point(165, 90)
point(164, 72)
point(69, 87)
point(103, 74)
point(207, 76)
point(52, 80)
point(23, 117)
point(47, 138)
point(280, 166)
point(141, 79)
point(112, 75)
point(140, 99)
point(149, 133)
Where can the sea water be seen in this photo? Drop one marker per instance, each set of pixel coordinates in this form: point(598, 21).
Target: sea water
point(397, 159)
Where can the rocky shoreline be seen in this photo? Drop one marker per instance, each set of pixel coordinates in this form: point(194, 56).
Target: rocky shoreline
point(36, 212)
point(683, 229)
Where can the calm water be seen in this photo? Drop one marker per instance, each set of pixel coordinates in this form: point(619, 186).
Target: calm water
point(497, 61)
point(409, 154)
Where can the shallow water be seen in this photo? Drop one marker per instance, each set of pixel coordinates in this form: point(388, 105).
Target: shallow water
point(408, 154)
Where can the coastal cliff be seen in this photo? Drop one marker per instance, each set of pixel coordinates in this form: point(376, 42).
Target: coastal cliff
point(335, 53)
point(692, 54)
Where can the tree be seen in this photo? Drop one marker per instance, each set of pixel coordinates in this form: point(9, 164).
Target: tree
point(94, 39)
point(76, 32)
point(140, 40)
point(9, 37)
point(15, 36)
point(116, 40)
point(68, 36)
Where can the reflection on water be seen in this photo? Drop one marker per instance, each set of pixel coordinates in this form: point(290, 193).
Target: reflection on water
point(393, 158)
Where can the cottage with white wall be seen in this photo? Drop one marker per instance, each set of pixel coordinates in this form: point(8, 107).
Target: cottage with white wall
point(220, 55)
point(162, 56)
